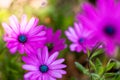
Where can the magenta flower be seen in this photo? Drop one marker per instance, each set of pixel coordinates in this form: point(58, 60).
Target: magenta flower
point(41, 66)
point(23, 36)
point(53, 41)
point(104, 20)
point(80, 37)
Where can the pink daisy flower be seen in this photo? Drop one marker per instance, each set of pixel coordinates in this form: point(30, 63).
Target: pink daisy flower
point(104, 20)
point(53, 41)
point(24, 37)
point(41, 66)
point(80, 37)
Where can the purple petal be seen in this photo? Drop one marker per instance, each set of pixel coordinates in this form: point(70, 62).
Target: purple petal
point(45, 54)
point(32, 23)
point(23, 23)
point(30, 67)
point(7, 28)
point(52, 57)
point(55, 74)
point(60, 71)
point(58, 66)
point(36, 75)
point(73, 46)
point(78, 28)
point(14, 24)
point(13, 50)
point(70, 37)
point(59, 61)
point(28, 75)
point(71, 30)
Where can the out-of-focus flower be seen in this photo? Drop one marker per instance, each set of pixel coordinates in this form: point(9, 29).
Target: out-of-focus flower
point(38, 3)
point(41, 66)
point(5, 3)
point(81, 38)
point(53, 41)
point(104, 20)
point(23, 36)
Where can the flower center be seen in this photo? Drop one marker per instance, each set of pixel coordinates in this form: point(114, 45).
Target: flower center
point(109, 30)
point(22, 38)
point(50, 46)
point(43, 68)
point(81, 40)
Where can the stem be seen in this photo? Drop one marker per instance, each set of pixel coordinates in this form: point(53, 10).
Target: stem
point(89, 57)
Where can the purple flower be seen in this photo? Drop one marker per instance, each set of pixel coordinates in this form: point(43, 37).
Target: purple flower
point(104, 20)
point(80, 37)
point(53, 41)
point(41, 66)
point(23, 36)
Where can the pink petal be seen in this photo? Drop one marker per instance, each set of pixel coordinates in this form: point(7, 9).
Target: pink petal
point(32, 23)
point(36, 75)
point(23, 23)
point(72, 31)
point(36, 30)
point(49, 34)
point(55, 74)
point(60, 66)
point(37, 38)
point(45, 77)
point(51, 78)
point(90, 11)
point(13, 50)
point(78, 28)
point(40, 78)
point(30, 67)
point(7, 28)
point(45, 54)
point(28, 75)
point(59, 61)
point(29, 49)
point(39, 55)
point(14, 24)
point(31, 60)
point(52, 57)
point(70, 37)
point(60, 71)
point(11, 44)
point(57, 34)
point(21, 48)
point(10, 39)
point(73, 47)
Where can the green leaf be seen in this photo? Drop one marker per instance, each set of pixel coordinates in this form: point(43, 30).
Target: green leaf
point(109, 74)
point(99, 67)
point(117, 64)
point(95, 75)
point(98, 52)
point(88, 53)
point(81, 68)
point(110, 66)
point(92, 65)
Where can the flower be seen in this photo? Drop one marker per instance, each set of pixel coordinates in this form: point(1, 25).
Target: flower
point(104, 20)
point(80, 37)
point(53, 41)
point(23, 36)
point(41, 66)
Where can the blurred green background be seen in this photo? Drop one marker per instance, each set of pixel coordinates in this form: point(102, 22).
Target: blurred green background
point(58, 14)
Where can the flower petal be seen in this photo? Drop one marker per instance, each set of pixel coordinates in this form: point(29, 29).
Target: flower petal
point(29, 67)
point(52, 57)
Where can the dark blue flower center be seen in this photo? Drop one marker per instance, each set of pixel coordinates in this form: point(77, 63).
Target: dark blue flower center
point(109, 30)
point(81, 40)
point(22, 38)
point(50, 46)
point(43, 68)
